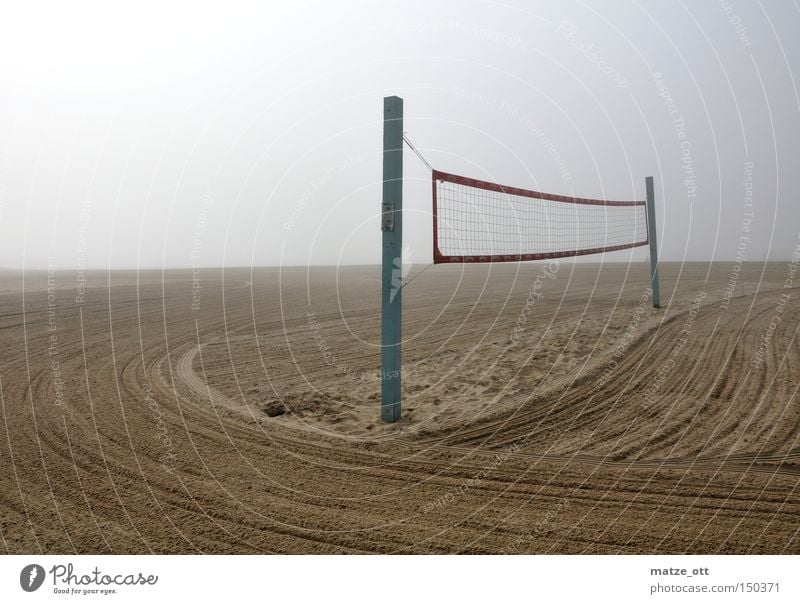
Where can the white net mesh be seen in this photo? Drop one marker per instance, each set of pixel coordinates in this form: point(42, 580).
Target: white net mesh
point(476, 221)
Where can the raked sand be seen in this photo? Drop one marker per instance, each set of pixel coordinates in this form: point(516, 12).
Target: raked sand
point(547, 410)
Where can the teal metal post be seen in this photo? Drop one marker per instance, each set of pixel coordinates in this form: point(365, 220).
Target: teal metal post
point(651, 235)
point(392, 272)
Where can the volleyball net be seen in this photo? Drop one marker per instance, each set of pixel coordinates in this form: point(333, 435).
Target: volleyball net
point(479, 221)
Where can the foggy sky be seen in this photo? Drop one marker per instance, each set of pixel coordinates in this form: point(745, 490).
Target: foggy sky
point(236, 134)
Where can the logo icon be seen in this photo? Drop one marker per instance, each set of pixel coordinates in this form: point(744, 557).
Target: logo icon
point(400, 269)
point(31, 577)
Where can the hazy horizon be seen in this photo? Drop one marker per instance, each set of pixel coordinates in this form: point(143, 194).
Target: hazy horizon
point(414, 267)
point(177, 136)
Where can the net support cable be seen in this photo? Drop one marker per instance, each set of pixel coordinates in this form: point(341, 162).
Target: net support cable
point(480, 221)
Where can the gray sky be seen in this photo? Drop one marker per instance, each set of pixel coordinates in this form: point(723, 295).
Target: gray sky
point(238, 134)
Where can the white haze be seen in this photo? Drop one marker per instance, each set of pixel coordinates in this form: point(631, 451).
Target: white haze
point(235, 134)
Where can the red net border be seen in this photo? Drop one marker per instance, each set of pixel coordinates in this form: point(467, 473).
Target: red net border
point(439, 258)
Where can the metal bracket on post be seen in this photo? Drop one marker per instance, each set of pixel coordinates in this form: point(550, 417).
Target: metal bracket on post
point(387, 216)
point(651, 236)
point(391, 282)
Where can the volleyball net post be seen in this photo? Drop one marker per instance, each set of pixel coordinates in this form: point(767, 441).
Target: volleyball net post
point(651, 237)
point(392, 259)
point(480, 221)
